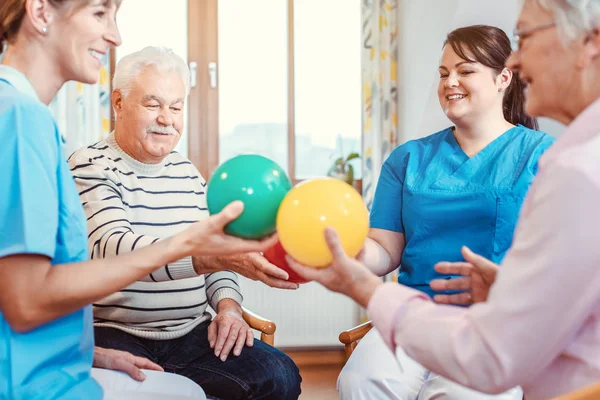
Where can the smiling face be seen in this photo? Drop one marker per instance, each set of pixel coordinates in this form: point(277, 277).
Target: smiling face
point(81, 36)
point(150, 118)
point(545, 64)
point(468, 90)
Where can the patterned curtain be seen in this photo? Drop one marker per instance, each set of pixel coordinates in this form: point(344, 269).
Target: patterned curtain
point(83, 111)
point(379, 79)
point(380, 97)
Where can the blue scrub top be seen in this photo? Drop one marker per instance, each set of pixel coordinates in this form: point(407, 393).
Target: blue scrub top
point(441, 199)
point(40, 213)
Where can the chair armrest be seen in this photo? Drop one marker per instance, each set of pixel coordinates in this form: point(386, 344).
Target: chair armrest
point(588, 393)
point(267, 328)
point(356, 333)
point(351, 337)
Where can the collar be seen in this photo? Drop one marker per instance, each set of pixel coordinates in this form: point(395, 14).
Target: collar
point(19, 81)
point(582, 129)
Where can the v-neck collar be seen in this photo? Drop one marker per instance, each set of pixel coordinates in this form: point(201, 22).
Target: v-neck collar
point(456, 145)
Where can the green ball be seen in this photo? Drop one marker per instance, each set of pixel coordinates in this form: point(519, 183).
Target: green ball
point(259, 183)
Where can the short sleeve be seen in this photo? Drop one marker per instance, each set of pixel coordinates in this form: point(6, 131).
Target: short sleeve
point(29, 158)
point(386, 210)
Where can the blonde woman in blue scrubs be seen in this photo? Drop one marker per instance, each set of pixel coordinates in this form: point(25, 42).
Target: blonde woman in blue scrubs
point(461, 186)
point(46, 279)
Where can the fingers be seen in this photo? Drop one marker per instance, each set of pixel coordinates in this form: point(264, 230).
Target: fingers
point(257, 274)
point(212, 334)
point(262, 264)
point(454, 268)
point(230, 212)
point(249, 338)
point(459, 298)
point(334, 244)
point(230, 341)
point(123, 361)
point(120, 363)
point(240, 341)
point(451, 284)
point(276, 283)
point(144, 363)
point(216, 223)
point(476, 259)
point(222, 335)
point(270, 274)
point(308, 273)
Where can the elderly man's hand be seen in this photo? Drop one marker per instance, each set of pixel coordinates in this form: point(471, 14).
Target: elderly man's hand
point(346, 275)
point(478, 275)
point(258, 268)
point(251, 265)
point(228, 331)
point(118, 360)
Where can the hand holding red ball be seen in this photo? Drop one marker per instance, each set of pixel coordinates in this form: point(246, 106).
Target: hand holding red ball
point(276, 256)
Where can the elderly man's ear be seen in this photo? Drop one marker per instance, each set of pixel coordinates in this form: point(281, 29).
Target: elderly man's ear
point(117, 100)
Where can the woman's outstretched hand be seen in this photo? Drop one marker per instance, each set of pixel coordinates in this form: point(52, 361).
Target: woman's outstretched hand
point(345, 275)
point(208, 237)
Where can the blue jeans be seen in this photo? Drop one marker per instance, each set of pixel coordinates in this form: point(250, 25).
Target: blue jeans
point(259, 372)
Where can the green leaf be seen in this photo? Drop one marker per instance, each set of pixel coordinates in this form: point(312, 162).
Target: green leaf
point(352, 156)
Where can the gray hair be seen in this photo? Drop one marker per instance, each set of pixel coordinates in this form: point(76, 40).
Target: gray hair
point(573, 17)
point(164, 59)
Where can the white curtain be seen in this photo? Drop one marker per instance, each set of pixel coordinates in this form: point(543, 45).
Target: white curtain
point(82, 112)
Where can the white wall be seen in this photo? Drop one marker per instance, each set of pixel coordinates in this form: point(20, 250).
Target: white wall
point(424, 25)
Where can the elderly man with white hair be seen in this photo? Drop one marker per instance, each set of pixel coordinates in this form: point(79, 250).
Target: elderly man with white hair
point(538, 325)
point(136, 190)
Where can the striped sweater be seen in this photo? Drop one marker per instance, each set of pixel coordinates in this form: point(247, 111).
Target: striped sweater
point(130, 205)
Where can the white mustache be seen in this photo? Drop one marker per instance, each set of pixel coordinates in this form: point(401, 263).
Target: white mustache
point(156, 128)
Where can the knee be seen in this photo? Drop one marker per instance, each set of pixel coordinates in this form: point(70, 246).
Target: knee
point(351, 383)
point(282, 378)
point(187, 387)
point(358, 382)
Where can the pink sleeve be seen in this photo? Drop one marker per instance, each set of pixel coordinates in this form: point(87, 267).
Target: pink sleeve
point(545, 291)
point(390, 296)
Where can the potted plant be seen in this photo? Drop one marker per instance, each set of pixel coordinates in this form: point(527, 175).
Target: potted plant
point(342, 169)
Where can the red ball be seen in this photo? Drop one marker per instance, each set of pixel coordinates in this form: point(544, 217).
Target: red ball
point(276, 256)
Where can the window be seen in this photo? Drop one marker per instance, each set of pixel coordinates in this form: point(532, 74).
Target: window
point(279, 78)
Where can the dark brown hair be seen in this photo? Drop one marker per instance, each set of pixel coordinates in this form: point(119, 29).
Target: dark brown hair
point(490, 46)
point(12, 13)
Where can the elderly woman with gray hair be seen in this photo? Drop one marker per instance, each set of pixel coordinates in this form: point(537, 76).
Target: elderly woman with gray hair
point(536, 324)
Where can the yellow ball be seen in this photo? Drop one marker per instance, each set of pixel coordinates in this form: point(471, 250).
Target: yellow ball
point(313, 205)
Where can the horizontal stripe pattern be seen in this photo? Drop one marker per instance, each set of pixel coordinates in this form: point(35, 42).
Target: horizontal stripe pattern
point(130, 205)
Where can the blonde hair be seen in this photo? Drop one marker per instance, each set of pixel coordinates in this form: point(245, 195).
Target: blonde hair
point(12, 13)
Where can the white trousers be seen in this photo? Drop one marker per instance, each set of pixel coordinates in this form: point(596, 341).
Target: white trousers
point(373, 373)
point(157, 386)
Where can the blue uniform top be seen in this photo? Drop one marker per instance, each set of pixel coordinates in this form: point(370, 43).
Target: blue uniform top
point(40, 213)
point(441, 199)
